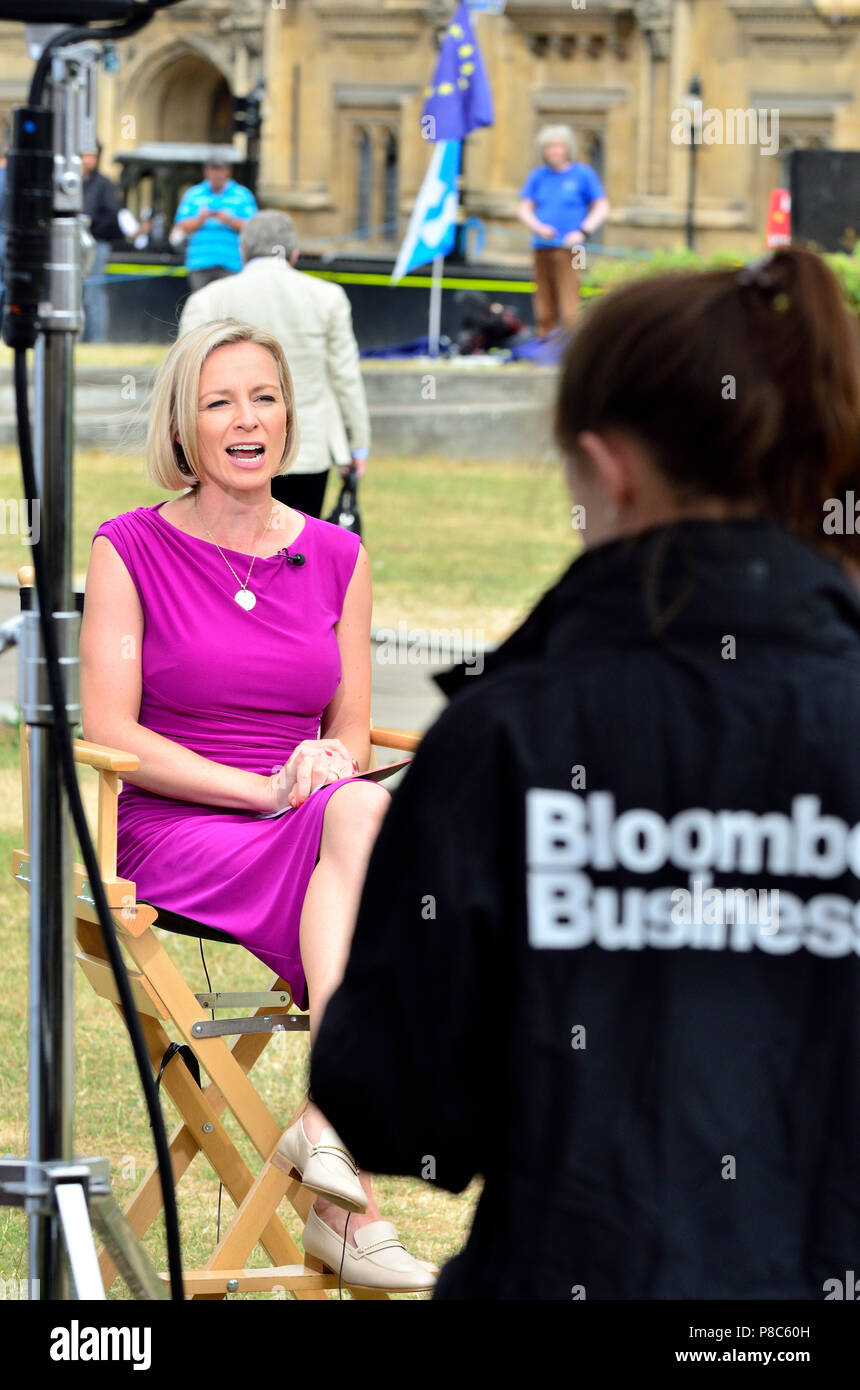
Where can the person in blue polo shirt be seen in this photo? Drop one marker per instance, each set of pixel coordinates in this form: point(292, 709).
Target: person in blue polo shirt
point(212, 214)
point(563, 203)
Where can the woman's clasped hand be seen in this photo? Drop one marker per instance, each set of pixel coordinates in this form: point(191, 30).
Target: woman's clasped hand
point(312, 764)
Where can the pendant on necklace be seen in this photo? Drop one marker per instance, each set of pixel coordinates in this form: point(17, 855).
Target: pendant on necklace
point(245, 599)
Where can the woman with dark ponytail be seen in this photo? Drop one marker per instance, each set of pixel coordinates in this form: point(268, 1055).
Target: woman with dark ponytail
point(741, 388)
point(608, 952)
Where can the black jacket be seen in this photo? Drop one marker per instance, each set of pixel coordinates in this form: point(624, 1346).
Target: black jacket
point(662, 1106)
point(101, 207)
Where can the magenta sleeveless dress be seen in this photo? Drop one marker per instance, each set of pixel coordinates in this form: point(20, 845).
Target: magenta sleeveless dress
point(241, 688)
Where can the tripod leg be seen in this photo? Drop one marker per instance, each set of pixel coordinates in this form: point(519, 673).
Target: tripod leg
point(80, 1245)
point(127, 1253)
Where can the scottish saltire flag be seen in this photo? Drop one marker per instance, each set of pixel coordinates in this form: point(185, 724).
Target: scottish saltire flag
point(433, 224)
point(458, 99)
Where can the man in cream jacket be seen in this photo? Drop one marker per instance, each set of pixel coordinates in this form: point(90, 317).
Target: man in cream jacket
point(312, 319)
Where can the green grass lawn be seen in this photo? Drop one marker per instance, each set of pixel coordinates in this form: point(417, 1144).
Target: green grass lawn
point(453, 544)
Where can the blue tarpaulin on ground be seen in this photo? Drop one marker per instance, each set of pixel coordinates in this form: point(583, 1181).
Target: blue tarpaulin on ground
point(418, 347)
point(543, 351)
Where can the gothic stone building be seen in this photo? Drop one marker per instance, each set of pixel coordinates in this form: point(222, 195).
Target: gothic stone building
point(345, 81)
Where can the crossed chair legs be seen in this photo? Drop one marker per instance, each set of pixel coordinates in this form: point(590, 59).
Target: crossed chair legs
point(377, 1266)
point(162, 996)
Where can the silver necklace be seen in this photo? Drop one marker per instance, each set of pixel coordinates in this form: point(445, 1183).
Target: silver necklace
point(243, 595)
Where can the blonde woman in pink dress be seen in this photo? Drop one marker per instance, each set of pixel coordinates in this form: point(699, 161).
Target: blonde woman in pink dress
point(226, 643)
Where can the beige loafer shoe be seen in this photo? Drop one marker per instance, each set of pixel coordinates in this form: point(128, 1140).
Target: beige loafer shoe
point(326, 1167)
point(380, 1262)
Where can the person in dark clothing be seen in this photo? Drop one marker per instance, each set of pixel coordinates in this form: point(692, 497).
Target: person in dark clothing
point(2, 223)
point(608, 949)
point(101, 207)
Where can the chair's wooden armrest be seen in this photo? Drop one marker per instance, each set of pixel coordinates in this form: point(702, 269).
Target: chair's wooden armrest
point(97, 755)
point(406, 739)
point(105, 759)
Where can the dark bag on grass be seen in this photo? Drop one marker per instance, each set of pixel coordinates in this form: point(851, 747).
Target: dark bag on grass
point(345, 512)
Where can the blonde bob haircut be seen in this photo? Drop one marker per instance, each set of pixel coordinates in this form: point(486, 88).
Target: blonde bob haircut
point(173, 409)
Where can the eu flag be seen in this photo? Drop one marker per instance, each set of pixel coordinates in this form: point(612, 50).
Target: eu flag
point(458, 99)
point(433, 225)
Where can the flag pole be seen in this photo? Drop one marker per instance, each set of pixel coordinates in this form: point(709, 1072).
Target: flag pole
point(435, 313)
point(435, 324)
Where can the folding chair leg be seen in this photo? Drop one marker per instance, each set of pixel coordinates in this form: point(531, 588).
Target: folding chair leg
point(146, 1204)
point(256, 1219)
point(213, 1053)
point(201, 1131)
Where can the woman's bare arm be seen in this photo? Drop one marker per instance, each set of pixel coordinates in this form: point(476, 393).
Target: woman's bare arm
point(347, 717)
point(526, 213)
point(111, 638)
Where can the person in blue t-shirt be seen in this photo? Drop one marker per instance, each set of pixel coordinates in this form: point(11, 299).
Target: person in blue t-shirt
point(212, 214)
point(563, 203)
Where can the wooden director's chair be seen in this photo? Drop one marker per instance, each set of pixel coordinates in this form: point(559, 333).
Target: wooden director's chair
point(163, 997)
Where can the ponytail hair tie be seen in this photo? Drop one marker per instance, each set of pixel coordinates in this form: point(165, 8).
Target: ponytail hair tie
point(761, 273)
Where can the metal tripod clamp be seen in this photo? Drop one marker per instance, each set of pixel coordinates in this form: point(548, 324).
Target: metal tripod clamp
point(33, 690)
point(70, 1189)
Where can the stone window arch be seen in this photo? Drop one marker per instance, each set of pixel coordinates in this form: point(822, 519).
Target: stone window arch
point(390, 185)
point(364, 179)
point(591, 150)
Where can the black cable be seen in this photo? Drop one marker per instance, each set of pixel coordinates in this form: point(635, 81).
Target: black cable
point(60, 736)
point(205, 971)
point(342, 1258)
point(62, 747)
